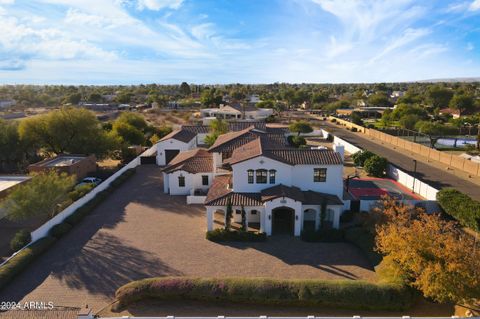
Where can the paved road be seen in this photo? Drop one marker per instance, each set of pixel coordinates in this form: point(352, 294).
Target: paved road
point(140, 232)
point(433, 176)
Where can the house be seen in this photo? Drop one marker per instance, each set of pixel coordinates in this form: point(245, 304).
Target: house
point(190, 172)
point(449, 111)
point(170, 145)
point(7, 103)
point(235, 112)
point(78, 165)
point(9, 182)
point(282, 189)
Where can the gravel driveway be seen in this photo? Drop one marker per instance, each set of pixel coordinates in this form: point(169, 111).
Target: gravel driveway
point(140, 232)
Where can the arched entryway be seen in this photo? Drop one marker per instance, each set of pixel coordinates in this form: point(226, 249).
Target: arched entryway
point(283, 221)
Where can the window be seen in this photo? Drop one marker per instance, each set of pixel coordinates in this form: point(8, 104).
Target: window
point(253, 212)
point(205, 180)
point(238, 212)
point(181, 181)
point(319, 175)
point(250, 176)
point(272, 173)
point(261, 176)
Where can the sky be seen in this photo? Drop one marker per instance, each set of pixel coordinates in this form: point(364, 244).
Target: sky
point(237, 41)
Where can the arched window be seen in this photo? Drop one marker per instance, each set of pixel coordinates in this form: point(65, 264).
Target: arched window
point(261, 176)
point(272, 174)
point(250, 176)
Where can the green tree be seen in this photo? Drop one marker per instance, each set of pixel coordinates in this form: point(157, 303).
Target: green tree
point(300, 127)
point(356, 118)
point(244, 219)
point(13, 152)
point(406, 109)
point(439, 96)
point(41, 196)
point(376, 166)
point(408, 121)
point(359, 158)
point(210, 97)
point(68, 130)
point(462, 103)
point(379, 99)
point(185, 89)
point(434, 130)
point(386, 119)
point(95, 97)
point(217, 128)
point(128, 134)
point(228, 215)
point(73, 98)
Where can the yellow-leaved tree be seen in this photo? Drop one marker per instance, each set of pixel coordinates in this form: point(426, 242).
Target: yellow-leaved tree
point(427, 252)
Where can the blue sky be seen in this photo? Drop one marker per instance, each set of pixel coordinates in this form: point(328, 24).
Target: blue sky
point(237, 41)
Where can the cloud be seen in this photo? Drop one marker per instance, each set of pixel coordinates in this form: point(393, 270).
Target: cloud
point(474, 6)
point(12, 65)
point(157, 5)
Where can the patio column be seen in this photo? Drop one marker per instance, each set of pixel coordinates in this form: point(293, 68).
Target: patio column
point(262, 221)
point(210, 211)
point(317, 218)
point(336, 216)
point(246, 217)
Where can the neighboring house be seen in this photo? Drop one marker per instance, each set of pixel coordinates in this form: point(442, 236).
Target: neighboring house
point(282, 189)
point(78, 165)
point(172, 144)
point(7, 103)
point(235, 112)
point(449, 111)
point(8, 184)
point(396, 94)
point(190, 172)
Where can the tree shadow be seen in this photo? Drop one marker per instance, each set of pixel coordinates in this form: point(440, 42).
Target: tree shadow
point(106, 263)
point(323, 256)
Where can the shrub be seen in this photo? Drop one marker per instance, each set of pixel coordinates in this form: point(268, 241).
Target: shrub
point(364, 240)
point(461, 207)
point(296, 141)
point(59, 230)
point(328, 235)
point(222, 235)
point(376, 166)
point(346, 294)
point(20, 240)
point(333, 120)
point(347, 216)
point(354, 129)
point(359, 158)
point(21, 260)
point(80, 191)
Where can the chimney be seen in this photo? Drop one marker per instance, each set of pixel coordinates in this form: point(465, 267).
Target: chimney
point(339, 149)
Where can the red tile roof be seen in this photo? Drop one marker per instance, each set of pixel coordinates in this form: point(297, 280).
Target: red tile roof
point(220, 194)
point(194, 161)
point(291, 156)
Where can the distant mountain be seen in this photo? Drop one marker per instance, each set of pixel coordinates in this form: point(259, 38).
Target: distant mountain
point(474, 79)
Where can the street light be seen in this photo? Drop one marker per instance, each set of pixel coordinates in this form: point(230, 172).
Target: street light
point(414, 174)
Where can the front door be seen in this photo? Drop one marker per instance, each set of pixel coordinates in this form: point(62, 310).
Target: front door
point(283, 221)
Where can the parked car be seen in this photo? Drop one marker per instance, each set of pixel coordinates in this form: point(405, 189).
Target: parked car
point(90, 181)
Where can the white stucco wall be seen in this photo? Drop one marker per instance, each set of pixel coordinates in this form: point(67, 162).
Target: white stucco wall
point(172, 144)
point(192, 181)
point(299, 175)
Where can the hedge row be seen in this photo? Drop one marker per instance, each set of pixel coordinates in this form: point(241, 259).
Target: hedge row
point(461, 207)
point(21, 260)
point(222, 235)
point(345, 294)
